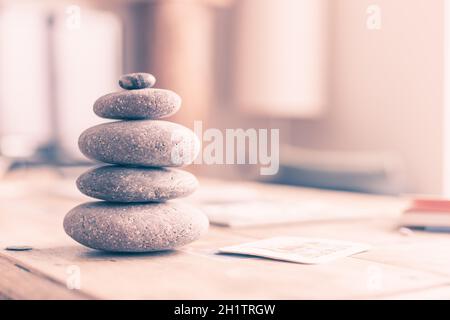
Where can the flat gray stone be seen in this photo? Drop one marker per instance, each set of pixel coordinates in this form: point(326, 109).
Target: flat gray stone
point(18, 248)
point(138, 104)
point(152, 143)
point(138, 80)
point(128, 184)
point(119, 227)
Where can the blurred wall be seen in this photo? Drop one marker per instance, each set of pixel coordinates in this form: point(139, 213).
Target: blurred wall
point(386, 87)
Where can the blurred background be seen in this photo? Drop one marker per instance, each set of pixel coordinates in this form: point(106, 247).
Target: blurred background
point(357, 88)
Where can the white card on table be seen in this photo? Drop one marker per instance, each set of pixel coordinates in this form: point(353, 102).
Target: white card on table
point(298, 249)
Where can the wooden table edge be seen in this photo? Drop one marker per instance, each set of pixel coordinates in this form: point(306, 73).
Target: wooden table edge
point(29, 283)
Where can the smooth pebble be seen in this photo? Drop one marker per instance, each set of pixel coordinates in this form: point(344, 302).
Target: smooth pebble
point(138, 104)
point(18, 248)
point(147, 227)
point(138, 80)
point(152, 143)
point(128, 184)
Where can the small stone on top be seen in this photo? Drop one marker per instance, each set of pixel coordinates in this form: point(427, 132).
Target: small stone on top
point(139, 80)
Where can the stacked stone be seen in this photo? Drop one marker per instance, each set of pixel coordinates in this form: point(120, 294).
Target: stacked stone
point(141, 151)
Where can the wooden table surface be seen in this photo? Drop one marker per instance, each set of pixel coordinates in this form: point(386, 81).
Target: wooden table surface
point(399, 265)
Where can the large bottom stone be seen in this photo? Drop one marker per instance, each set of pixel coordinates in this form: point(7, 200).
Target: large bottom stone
point(147, 227)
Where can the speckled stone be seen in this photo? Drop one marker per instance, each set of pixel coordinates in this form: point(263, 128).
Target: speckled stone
point(127, 184)
point(153, 143)
point(138, 104)
point(138, 80)
point(122, 227)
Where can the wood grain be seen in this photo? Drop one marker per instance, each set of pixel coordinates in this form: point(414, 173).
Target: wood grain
point(32, 209)
point(19, 281)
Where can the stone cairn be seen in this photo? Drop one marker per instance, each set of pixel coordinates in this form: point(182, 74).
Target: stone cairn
point(141, 152)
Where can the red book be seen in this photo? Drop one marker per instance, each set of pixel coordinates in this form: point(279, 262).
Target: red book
point(427, 212)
